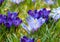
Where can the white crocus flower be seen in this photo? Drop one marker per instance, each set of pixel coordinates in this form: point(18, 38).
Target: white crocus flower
point(33, 24)
point(55, 14)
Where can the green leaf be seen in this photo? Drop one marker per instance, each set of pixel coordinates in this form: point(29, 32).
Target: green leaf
point(58, 2)
point(15, 38)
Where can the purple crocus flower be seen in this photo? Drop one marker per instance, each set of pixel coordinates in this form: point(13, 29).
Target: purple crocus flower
point(1, 1)
point(3, 19)
point(8, 23)
point(41, 13)
point(44, 13)
point(34, 13)
point(33, 24)
point(10, 19)
point(25, 39)
point(17, 21)
point(12, 15)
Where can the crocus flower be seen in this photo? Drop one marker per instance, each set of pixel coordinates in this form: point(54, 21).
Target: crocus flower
point(55, 14)
point(10, 19)
point(14, 18)
point(3, 19)
point(41, 13)
point(17, 21)
point(12, 15)
point(36, 19)
point(25, 39)
point(1, 1)
point(17, 1)
point(8, 23)
point(33, 24)
point(50, 2)
point(44, 13)
point(34, 14)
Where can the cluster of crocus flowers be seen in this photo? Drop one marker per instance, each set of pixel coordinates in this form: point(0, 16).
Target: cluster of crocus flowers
point(1, 1)
point(25, 39)
point(10, 19)
point(17, 1)
point(55, 13)
point(36, 19)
